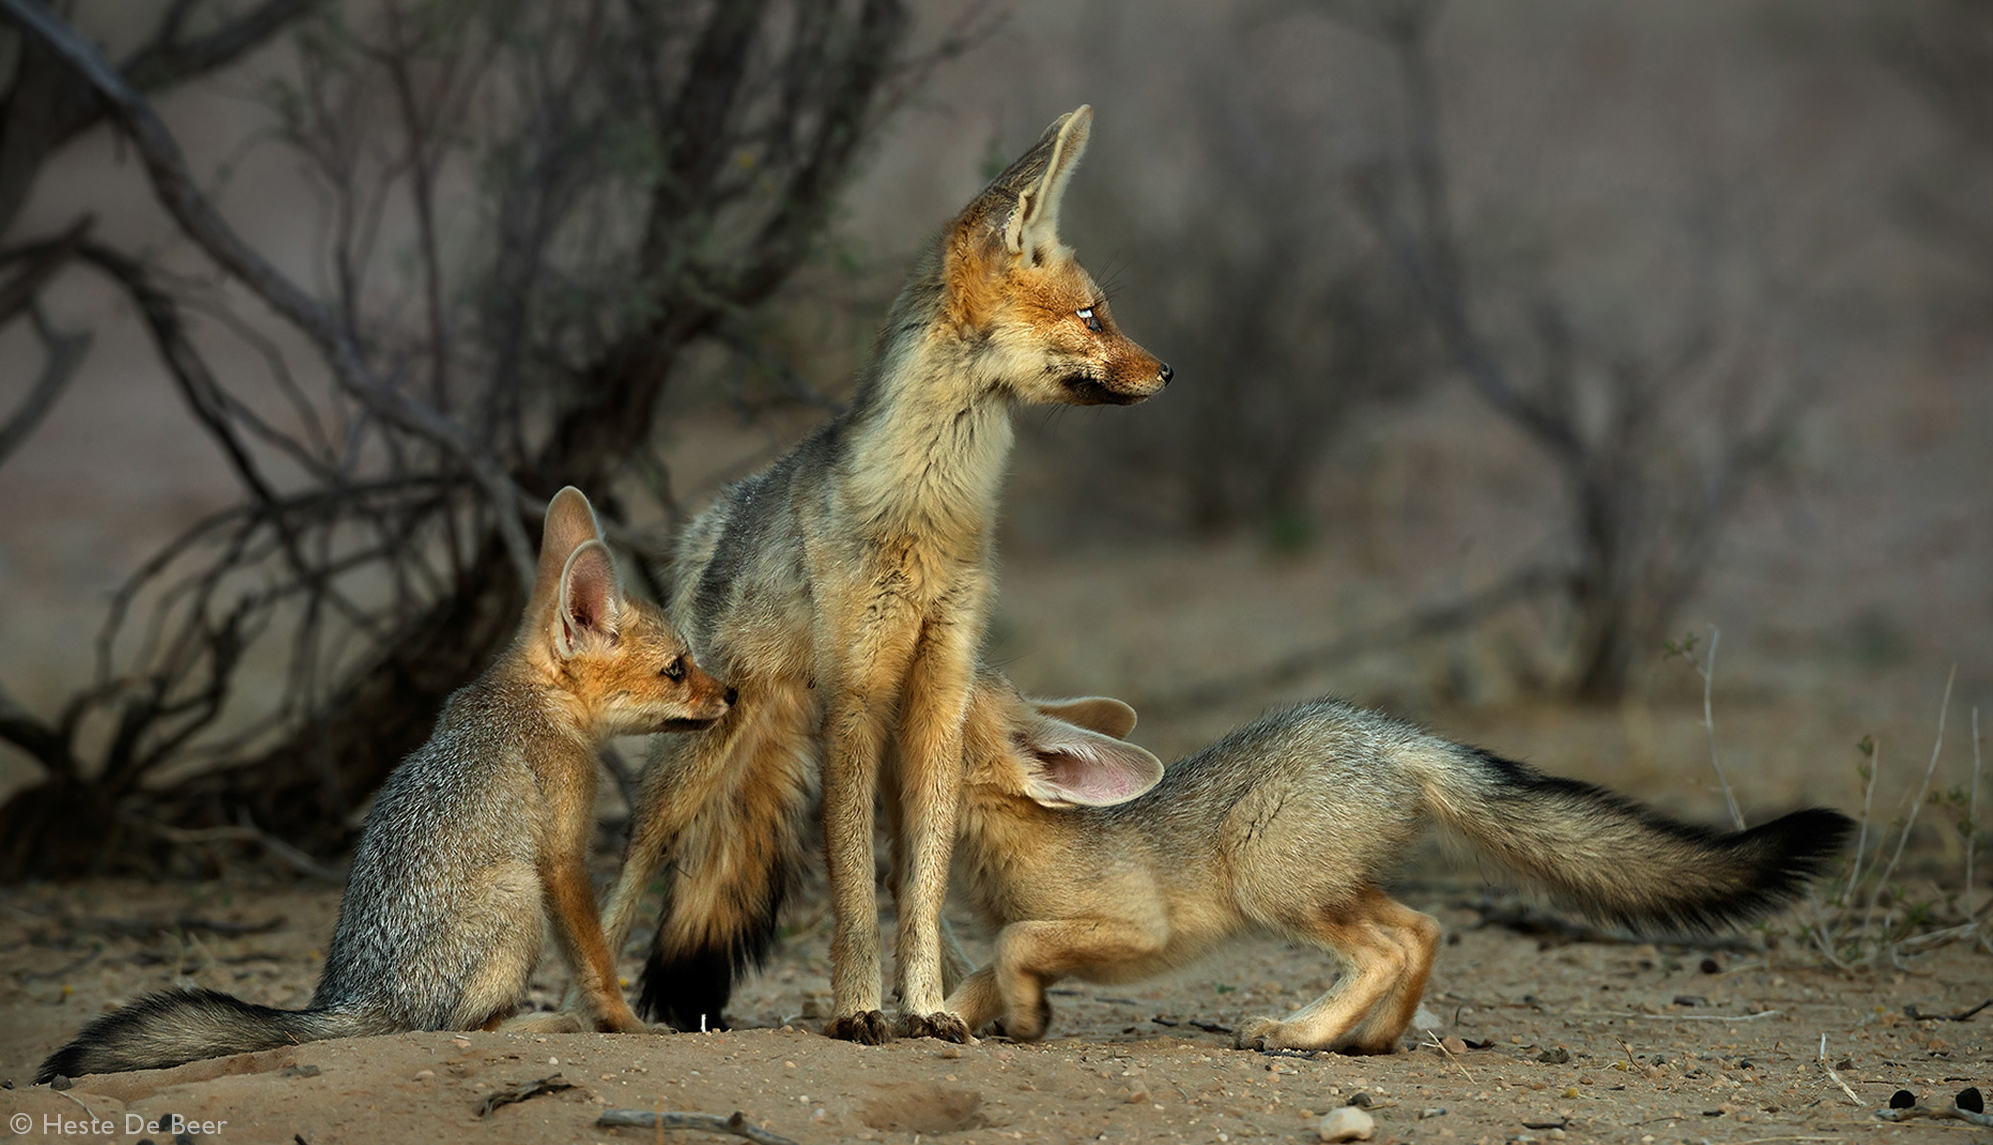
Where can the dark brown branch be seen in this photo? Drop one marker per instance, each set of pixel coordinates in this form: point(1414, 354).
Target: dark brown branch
point(200, 222)
point(62, 355)
point(50, 104)
point(736, 1125)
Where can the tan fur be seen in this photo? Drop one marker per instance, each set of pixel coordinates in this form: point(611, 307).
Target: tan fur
point(1091, 862)
point(845, 592)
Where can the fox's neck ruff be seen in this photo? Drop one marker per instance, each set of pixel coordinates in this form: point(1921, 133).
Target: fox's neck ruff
point(929, 440)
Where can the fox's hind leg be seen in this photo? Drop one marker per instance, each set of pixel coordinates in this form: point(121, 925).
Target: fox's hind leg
point(1032, 955)
point(1417, 935)
point(976, 999)
point(1374, 965)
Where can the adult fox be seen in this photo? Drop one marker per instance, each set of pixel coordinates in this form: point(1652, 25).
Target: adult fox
point(844, 591)
point(476, 846)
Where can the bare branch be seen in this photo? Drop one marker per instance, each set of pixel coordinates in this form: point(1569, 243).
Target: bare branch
point(199, 221)
point(62, 354)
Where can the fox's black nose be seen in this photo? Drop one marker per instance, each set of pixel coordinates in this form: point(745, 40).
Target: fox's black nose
point(732, 695)
point(1166, 373)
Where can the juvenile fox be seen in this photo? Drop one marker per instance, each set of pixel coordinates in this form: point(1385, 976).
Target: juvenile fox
point(1097, 863)
point(844, 590)
point(476, 844)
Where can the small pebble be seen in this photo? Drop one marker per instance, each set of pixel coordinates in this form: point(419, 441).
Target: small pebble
point(1426, 1113)
point(59, 1082)
point(951, 1052)
point(1346, 1124)
point(1555, 1056)
point(553, 1061)
point(1454, 1046)
point(424, 1075)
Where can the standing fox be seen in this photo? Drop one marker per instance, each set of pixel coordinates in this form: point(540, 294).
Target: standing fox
point(1097, 863)
point(844, 590)
point(477, 844)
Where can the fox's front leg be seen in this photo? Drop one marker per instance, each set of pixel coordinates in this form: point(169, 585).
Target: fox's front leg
point(1032, 955)
point(570, 904)
point(866, 643)
point(928, 775)
point(853, 737)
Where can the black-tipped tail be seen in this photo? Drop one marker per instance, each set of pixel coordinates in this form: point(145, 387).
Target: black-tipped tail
point(162, 1030)
point(687, 984)
point(1616, 860)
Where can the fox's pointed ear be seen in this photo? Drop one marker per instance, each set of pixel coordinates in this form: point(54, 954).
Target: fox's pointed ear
point(1103, 714)
point(1039, 180)
point(570, 524)
point(591, 602)
point(1073, 767)
point(1017, 215)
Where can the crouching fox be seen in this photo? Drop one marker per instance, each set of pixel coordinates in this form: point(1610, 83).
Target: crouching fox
point(1096, 862)
point(476, 846)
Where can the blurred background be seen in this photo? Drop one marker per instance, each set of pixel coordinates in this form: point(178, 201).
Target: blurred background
point(1521, 350)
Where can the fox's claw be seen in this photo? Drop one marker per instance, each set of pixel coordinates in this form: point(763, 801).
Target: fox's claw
point(946, 1026)
point(867, 1028)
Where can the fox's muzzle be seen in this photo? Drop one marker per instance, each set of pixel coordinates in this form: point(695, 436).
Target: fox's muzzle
point(1089, 391)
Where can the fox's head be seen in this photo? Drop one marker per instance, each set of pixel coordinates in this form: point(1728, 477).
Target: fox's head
point(615, 657)
point(1056, 753)
point(1041, 326)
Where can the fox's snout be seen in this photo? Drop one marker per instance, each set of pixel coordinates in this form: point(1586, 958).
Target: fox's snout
point(1123, 388)
point(706, 699)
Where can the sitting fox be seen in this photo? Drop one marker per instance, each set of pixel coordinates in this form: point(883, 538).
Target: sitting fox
point(477, 843)
point(845, 590)
point(1098, 863)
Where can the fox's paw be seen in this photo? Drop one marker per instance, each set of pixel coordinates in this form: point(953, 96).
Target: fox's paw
point(1026, 1027)
point(944, 1025)
point(866, 1027)
point(1262, 1034)
point(625, 1023)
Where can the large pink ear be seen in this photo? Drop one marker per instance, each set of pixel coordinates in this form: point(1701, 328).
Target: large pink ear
point(1070, 766)
point(570, 524)
point(1103, 714)
point(591, 603)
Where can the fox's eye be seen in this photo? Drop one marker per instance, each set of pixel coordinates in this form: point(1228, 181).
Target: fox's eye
point(674, 670)
point(1086, 316)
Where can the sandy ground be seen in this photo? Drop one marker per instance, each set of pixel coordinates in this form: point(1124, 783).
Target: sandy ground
point(1664, 1044)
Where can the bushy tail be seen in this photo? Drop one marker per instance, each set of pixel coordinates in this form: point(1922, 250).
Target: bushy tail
point(728, 874)
point(1615, 860)
point(163, 1030)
